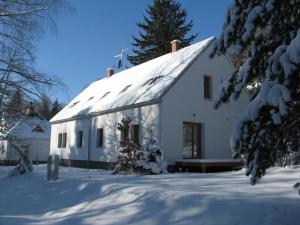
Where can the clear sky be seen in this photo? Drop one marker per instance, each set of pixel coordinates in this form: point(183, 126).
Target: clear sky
point(86, 41)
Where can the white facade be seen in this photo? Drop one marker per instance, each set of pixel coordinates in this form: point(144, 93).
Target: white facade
point(185, 102)
point(177, 99)
point(146, 116)
point(32, 132)
point(38, 150)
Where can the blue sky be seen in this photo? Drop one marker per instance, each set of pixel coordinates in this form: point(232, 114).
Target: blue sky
point(85, 42)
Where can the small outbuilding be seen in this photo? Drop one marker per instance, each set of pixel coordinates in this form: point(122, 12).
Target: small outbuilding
point(32, 132)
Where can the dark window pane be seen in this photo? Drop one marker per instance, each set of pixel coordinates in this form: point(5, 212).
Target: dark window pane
point(207, 87)
point(135, 133)
point(191, 141)
point(59, 140)
point(99, 137)
point(64, 140)
point(79, 138)
point(125, 133)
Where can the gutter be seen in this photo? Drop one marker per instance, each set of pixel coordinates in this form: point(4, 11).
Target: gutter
point(93, 114)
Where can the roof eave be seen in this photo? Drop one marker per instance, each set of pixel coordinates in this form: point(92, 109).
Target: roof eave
point(103, 112)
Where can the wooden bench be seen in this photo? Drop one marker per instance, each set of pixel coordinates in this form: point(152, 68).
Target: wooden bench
point(202, 165)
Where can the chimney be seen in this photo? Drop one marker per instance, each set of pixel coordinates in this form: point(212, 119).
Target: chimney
point(175, 45)
point(30, 110)
point(109, 72)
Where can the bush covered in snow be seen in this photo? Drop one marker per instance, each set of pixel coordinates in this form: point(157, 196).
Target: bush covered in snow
point(265, 34)
point(133, 158)
point(152, 158)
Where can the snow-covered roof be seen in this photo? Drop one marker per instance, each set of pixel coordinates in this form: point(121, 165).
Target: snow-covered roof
point(30, 127)
point(143, 83)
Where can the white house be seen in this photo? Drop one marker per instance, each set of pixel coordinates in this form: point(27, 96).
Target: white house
point(168, 98)
point(31, 132)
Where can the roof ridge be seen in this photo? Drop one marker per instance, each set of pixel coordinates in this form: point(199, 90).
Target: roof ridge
point(169, 66)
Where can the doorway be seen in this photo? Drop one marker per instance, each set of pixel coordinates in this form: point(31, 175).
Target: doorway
point(192, 140)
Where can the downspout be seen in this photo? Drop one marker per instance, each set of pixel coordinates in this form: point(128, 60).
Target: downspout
point(89, 140)
point(160, 142)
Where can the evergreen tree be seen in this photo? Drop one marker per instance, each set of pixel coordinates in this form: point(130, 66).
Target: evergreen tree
point(267, 34)
point(129, 153)
point(55, 108)
point(47, 108)
point(166, 21)
point(15, 107)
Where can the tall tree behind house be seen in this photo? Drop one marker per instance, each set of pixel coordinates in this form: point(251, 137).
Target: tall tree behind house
point(47, 108)
point(165, 22)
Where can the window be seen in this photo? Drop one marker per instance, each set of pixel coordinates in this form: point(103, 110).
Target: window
point(59, 140)
point(125, 133)
point(64, 140)
point(37, 128)
point(79, 138)
point(135, 133)
point(105, 95)
point(73, 104)
point(99, 138)
point(125, 88)
point(192, 140)
point(207, 81)
point(90, 98)
point(153, 80)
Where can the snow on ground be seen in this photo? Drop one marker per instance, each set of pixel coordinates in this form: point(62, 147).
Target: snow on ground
point(84, 196)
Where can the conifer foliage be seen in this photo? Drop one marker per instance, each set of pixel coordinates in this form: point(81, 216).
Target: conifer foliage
point(133, 158)
point(267, 33)
point(165, 22)
point(130, 152)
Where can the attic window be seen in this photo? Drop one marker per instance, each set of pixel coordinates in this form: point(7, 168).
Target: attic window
point(105, 95)
point(153, 80)
point(125, 88)
point(37, 128)
point(75, 103)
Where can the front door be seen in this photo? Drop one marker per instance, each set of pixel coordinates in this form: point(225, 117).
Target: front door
point(192, 140)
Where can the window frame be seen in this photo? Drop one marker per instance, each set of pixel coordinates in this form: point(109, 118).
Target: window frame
point(64, 140)
point(135, 133)
point(99, 137)
point(59, 140)
point(79, 141)
point(208, 87)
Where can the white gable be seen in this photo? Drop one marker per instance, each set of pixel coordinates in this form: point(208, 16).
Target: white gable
point(142, 83)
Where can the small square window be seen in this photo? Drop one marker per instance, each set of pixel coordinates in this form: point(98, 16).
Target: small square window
point(99, 142)
point(79, 138)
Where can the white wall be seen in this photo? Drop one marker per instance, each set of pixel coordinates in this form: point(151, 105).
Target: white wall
point(71, 128)
point(185, 103)
point(146, 117)
point(38, 149)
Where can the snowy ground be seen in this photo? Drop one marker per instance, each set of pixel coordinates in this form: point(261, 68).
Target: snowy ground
point(84, 196)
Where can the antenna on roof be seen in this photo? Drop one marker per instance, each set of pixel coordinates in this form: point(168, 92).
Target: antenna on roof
point(120, 59)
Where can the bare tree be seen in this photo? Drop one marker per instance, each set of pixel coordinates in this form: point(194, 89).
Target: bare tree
point(22, 23)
